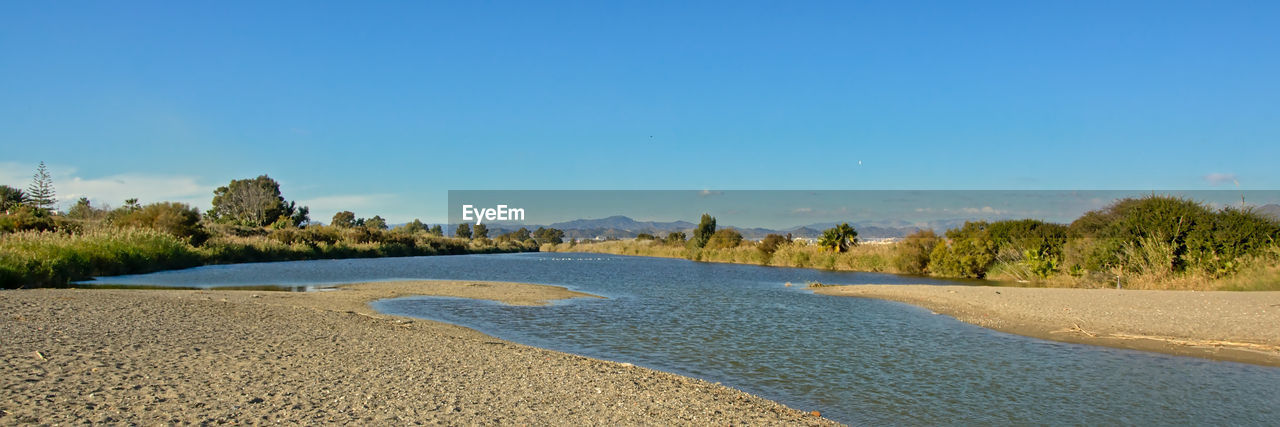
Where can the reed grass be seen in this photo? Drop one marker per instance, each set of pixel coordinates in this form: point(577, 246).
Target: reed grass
point(44, 258)
point(1149, 265)
point(873, 258)
point(35, 258)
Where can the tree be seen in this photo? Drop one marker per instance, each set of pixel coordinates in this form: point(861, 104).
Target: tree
point(520, 235)
point(771, 243)
point(645, 236)
point(724, 238)
point(480, 231)
point(40, 193)
point(414, 227)
point(131, 205)
point(436, 230)
point(839, 238)
point(82, 210)
point(463, 231)
point(675, 238)
point(344, 219)
point(701, 234)
point(376, 223)
point(253, 202)
point(548, 235)
point(301, 216)
point(11, 197)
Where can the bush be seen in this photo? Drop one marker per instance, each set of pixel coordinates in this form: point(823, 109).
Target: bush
point(724, 239)
point(1234, 234)
point(177, 219)
point(1037, 236)
point(1145, 234)
point(912, 254)
point(25, 218)
point(970, 253)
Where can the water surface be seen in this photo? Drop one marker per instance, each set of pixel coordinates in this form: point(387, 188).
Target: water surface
point(859, 361)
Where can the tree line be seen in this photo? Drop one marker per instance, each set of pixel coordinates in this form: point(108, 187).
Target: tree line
point(1151, 241)
point(250, 220)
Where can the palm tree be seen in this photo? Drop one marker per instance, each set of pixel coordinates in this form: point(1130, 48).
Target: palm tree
point(839, 238)
point(11, 197)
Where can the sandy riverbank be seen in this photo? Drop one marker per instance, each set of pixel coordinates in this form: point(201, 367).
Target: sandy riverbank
point(1235, 326)
point(253, 357)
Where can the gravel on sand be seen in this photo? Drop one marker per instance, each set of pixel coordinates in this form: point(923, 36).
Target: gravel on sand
point(1235, 326)
point(255, 357)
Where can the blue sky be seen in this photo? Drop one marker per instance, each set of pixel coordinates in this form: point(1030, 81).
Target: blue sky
point(383, 108)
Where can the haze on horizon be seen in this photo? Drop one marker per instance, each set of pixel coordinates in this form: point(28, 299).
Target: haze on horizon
point(381, 109)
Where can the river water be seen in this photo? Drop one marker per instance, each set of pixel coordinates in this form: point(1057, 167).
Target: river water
point(858, 361)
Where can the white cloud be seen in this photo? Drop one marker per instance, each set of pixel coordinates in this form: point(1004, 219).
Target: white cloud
point(982, 210)
point(1220, 178)
point(820, 213)
point(114, 189)
point(709, 193)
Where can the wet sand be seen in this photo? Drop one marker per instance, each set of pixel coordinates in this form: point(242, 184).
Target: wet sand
point(1234, 326)
point(255, 357)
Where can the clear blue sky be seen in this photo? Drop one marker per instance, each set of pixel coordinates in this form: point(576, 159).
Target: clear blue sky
point(383, 108)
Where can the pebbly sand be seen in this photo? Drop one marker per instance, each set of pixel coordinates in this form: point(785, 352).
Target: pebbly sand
point(254, 357)
point(1234, 326)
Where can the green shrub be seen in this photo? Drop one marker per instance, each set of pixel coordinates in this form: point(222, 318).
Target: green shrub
point(969, 253)
point(1033, 235)
point(1234, 235)
point(724, 239)
point(1041, 264)
point(25, 218)
point(177, 219)
point(912, 254)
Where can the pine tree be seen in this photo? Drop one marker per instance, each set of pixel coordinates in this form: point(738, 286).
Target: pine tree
point(40, 194)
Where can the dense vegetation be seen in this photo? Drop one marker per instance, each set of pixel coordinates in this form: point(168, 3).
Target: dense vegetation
point(1154, 242)
point(250, 222)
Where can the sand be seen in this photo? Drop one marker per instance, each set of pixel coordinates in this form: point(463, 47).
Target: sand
point(1234, 326)
point(254, 357)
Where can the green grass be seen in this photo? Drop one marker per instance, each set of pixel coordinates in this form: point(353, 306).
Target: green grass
point(873, 258)
point(34, 258)
point(1257, 273)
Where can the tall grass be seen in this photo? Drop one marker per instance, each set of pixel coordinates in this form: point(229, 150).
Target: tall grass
point(1149, 265)
point(36, 258)
point(873, 258)
point(43, 258)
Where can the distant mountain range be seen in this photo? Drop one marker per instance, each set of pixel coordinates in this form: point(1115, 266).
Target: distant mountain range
point(623, 227)
point(1272, 211)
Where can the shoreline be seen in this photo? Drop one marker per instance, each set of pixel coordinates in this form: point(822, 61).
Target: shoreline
point(972, 281)
point(1218, 325)
point(187, 356)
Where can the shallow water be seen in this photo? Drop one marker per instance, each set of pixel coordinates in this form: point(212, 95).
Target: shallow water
point(858, 361)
